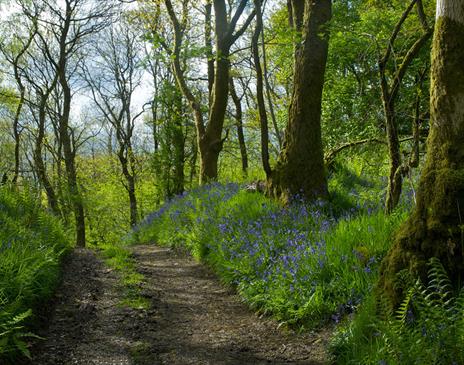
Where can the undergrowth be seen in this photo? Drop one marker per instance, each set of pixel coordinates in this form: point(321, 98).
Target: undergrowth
point(32, 243)
point(309, 264)
point(303, 264)
point(428, 327)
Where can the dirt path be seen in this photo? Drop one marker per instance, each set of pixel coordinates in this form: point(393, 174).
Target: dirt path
point(193, 319)
point(87, 324)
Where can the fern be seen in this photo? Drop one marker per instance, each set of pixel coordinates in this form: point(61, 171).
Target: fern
point(405, 306)
point(12, 333)
point(31, 244)
point(429, 334)
point(427, 328)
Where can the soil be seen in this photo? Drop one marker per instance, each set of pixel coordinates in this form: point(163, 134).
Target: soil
point(192, 319)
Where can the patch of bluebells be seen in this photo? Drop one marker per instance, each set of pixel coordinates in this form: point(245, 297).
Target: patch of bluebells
point(268, 251)
point(282, 249)
point(209, 195)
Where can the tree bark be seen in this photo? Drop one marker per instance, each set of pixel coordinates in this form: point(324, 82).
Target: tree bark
point(211, 143)
point(434, 229)
point(124, 157)
point(69, 161)
point(300, 167)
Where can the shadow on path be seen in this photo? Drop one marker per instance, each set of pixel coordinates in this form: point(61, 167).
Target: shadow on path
point(193, 319)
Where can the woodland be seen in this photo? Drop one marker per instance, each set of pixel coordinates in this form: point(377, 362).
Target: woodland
point(303, 159)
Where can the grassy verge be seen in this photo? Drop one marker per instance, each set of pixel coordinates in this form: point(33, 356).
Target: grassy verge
point(32, 243)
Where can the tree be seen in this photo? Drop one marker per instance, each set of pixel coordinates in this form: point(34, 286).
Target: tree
point(43, 85)
point(209, 136)
point(173, 131)
point(13, 54)
point(263, 122)
point(61, 39)
point(389, 98)
point(239, 120)
point(435, 228)
point(36, 81)
point(113, 78)
point(300, 167)
point(174, 139)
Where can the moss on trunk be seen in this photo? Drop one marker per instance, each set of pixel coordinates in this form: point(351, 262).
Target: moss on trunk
point(435, 228)
point(300, 167)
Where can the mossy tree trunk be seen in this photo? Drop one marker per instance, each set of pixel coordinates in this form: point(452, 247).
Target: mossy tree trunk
point(435, 228)
point(300, 167)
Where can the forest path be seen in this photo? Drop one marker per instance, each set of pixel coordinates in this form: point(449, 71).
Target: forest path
point(193, 319)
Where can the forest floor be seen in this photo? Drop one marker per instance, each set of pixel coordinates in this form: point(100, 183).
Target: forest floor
point(192, 319)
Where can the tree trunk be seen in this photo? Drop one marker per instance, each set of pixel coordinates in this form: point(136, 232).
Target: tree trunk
point(300, 167)
point(38, 158)
point(130, 183)
point(263, 122)
point(193, 162)
point(17, 133)
point(211, 142)
point(239, 120)
point(435, 227)
point(132, 201)
point(176, 140)
point(179, 157)
point(210, 137)
point(69, 152)
point(154, 115)
point(69, 161)
point(395, 177)
point(389, 96)
point(209, 49)
point(270, 101)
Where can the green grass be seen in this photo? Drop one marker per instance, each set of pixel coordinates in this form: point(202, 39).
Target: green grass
point(32, 243)
point(118, 256)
